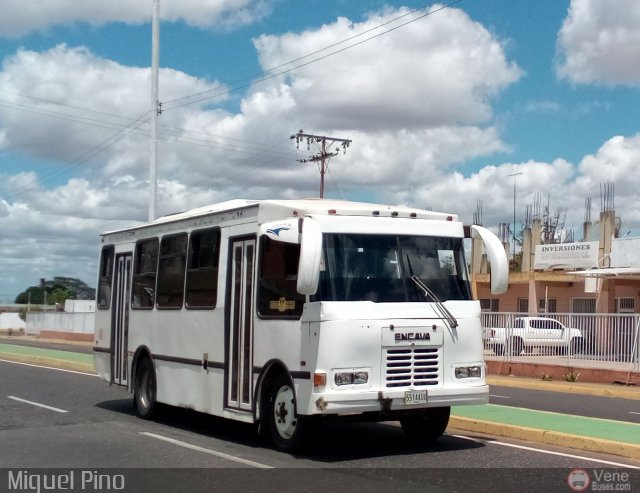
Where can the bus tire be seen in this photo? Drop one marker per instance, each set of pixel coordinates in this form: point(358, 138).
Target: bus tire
point(285, 426)
point(426, 427)
point(144, 389)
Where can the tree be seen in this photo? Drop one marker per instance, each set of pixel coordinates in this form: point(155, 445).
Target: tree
point(55, 291)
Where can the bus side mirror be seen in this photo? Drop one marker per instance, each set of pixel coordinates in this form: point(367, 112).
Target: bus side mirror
point(310, 254)
point(497, 259)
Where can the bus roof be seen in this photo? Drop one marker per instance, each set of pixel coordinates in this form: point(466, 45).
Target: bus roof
point(275, 209)
point(271, 210)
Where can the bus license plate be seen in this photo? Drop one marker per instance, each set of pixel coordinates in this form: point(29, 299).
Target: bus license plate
point(415, 397)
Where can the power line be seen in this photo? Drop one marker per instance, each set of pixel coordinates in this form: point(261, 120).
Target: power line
point(233, 86)
point(78, 160)
point(135, 124)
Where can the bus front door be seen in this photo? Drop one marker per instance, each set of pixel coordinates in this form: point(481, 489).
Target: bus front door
point(120, 319)
point(240, 326)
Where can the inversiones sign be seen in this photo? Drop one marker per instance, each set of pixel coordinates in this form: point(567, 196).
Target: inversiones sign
point(566, 255)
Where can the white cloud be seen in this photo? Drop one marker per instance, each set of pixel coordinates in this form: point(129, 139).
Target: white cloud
point(20, 17)
point(440, 70)
point(542, 106)
point(66, 103)
point(599, 42)
point(429, 110)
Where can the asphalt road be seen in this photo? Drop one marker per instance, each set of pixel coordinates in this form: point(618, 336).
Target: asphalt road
point(57, 419)
point(567, 403)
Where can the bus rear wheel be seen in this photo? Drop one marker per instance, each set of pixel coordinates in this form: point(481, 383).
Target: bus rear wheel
point(426, 427)
point(286, 427)
point(144, 389)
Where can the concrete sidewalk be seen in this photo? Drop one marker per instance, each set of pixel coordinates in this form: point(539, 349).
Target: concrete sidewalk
point(596, 435)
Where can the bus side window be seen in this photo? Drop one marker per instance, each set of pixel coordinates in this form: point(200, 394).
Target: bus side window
point(105, 278)
point(277, 294)
point(173, 255)
point(144, 274)
point(202, 269)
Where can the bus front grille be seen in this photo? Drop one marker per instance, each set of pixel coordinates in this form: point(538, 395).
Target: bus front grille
point(412, 367)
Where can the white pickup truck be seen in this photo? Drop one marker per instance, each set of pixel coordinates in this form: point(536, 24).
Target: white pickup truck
point(533, 332)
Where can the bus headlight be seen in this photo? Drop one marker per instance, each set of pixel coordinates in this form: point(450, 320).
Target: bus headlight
point(474, 371)
point(351, 378)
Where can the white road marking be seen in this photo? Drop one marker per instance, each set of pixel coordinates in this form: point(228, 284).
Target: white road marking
point(37, 404)
point(499, 396)
point(550, 452)
point(633, 412)
point(471, 439)
point(207, 451)
point(48, 367)
point(571, 456)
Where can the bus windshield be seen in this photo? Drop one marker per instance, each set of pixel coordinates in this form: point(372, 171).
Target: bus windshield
point(378, 268)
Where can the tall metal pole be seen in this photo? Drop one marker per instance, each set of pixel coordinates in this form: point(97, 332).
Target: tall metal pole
point(153, 155)
point(515, 175)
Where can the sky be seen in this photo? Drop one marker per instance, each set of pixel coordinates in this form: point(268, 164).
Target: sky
point(444, 103)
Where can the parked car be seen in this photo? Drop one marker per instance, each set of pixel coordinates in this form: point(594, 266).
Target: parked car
point(533, 332)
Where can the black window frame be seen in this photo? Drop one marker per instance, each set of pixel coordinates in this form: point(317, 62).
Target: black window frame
point(289, 281)
point(137, 274)
point(191, 271)
point(165, 276)
point(105, 277)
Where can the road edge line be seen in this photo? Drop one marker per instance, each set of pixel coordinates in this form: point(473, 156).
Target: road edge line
point(547, 437)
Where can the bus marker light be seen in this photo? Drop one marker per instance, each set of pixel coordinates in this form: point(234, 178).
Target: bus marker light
point(319, 379)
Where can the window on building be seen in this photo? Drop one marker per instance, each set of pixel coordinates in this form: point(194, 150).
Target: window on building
point(523, 305)
point(547, 305)
point(105, 277)
point(173, 255)
point(202, 270)
point(144, 274)
point(490, 305)
point(583, 305)
point(278, 275)
point(625, 305)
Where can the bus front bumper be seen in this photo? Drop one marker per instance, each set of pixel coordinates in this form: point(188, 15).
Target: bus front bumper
point(393, 401)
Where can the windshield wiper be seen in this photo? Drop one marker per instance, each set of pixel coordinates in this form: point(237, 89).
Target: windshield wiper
point(442, 310)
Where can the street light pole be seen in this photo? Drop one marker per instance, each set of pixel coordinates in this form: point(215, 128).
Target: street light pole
point(153, 155)
point(515, 175)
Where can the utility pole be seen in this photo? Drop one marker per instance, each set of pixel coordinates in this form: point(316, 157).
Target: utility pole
point(155, 109)
point(324, 156)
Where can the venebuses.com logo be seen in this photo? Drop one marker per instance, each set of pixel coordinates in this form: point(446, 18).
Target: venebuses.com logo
point(598, 480)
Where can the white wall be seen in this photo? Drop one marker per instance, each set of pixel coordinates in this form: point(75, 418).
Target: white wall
point(11, 321)
point(625, 252)
point(80, 306)
point(78, 323)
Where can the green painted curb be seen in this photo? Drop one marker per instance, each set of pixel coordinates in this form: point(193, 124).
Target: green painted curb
point(53, 358)
point(562, 423)
point(9, 349)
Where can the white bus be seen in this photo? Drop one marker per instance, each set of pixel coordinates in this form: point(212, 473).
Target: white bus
point(285, 312)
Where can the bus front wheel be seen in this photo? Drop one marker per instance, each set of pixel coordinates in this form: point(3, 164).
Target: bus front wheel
point(426, 427)
point(144, 391)
point(286, 427)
